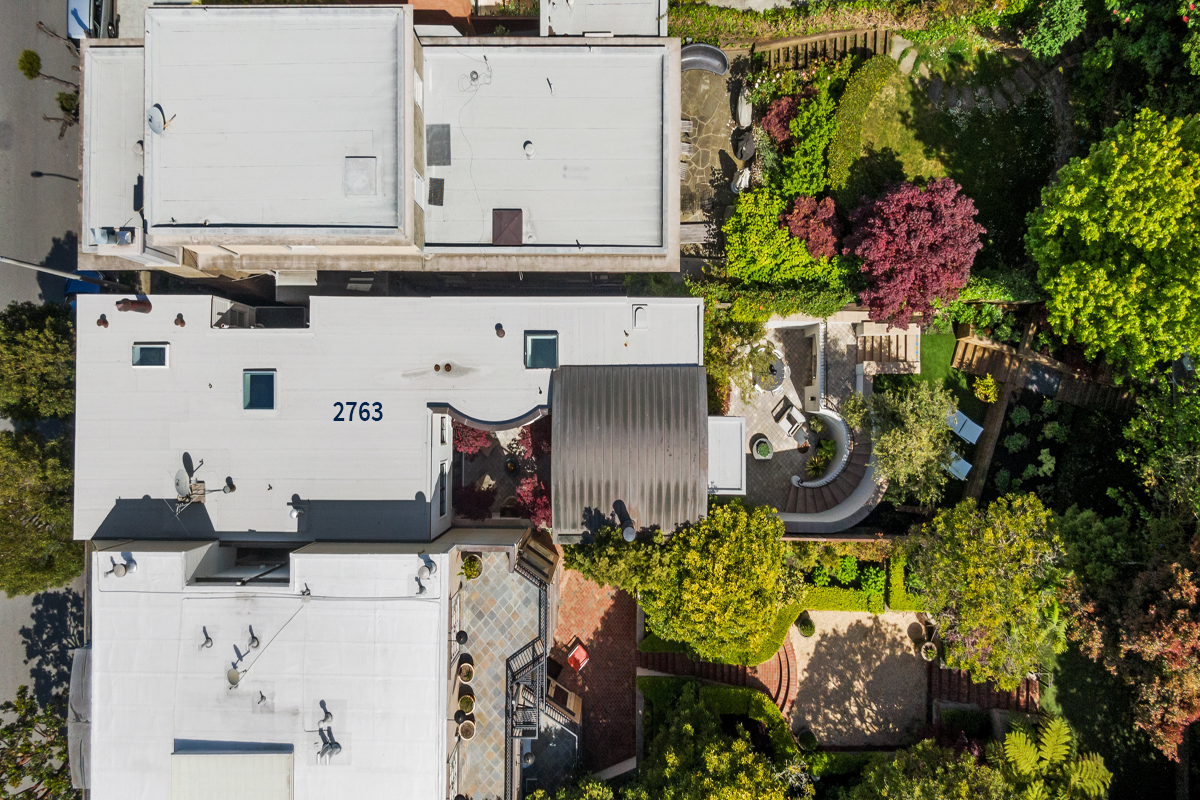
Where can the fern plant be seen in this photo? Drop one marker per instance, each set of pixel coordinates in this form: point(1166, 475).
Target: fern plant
point(1049, 767)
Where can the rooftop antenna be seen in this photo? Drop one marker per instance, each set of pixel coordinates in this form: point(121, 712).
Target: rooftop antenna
point(328, 718)
point(208, 642)
point(253, 639)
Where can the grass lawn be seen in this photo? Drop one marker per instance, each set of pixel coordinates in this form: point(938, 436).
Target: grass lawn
point(1002, 159)
point(937, 353)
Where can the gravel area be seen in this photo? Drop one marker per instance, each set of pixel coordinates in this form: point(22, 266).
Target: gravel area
point(861, 680)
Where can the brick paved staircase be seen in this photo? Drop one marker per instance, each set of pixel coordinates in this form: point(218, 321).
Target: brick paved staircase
point(797, 51)
point(955, 686)
point(776, 677)
point(811, 501)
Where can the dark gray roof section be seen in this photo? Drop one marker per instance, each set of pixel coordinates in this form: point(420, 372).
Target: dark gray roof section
point(638, 434)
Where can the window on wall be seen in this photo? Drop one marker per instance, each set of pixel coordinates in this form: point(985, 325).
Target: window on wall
point(150, 355)
point(442, 491)
point(444, 426)
point(541, 350)
point(258, 389)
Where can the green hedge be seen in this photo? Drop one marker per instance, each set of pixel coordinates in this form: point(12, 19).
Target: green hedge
point(752, 703)
point(847, 142)
point(834, 598)
point(660, 694)
point(898, 597)
point(653, 643)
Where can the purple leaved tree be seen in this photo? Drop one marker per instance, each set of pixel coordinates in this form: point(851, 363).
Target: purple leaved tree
point(917, 246)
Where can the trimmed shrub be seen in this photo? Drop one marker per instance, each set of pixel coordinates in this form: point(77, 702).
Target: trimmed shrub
point(847, 141)
point(1019, 416)
point(898, 597)
point(847, 571)
point(875, 604)
point(805, 625)
point(779, 117)
point(834, 598)
point(803, 170)
point(873, 580)
point(1016, 442)
point(744, 701)
point(816, 224)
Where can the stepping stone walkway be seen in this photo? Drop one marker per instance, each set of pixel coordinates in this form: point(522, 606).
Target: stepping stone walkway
point(1011, 92)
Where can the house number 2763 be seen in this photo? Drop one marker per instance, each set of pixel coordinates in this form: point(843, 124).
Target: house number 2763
point(364, 411)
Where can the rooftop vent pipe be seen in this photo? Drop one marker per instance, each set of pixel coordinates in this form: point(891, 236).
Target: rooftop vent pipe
point(140, 306)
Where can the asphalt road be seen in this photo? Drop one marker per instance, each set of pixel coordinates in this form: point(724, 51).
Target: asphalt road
point(39, 218)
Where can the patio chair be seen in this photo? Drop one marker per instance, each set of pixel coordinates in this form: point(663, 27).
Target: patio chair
point(961, 424)
point(959, 467)
point(578, 656)
point(788, 417)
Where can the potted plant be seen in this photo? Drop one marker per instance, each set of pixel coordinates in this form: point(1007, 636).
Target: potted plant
point(472, 566)
point(761, 448)
point(929, 651)
point(466, 704)
point(466, 731)
point(466, 672)
point(806, 626)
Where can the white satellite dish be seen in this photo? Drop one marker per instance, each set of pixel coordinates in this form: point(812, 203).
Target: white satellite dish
point(233, 676)
point(156, 119)
point(183, 483)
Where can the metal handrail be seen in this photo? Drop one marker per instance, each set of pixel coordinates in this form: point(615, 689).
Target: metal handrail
point(520, 675)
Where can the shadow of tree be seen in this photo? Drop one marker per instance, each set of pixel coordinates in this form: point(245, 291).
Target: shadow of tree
point(865, 685)
point(607, 682)
point(870, 175)
point(57, 630)
point(1139, 771)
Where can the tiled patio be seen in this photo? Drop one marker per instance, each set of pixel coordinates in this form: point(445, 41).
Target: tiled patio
point(605, 620)
point(768, 482)
point(500, 615)
point(704, 188)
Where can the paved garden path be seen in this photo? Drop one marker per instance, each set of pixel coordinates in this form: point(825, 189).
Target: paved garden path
point(861, 680)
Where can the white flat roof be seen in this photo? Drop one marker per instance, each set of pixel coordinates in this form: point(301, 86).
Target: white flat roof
point(133, 424)
point(595, 119)
point(277, 118)
point(165, 720)
point(618, 17)
point(112, 128)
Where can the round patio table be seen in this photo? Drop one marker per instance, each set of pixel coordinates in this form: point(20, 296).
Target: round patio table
point(772, 379)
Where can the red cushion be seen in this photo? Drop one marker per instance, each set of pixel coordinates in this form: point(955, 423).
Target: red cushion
point(578, 657)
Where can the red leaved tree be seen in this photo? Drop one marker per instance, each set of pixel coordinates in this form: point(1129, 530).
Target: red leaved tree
point(917, 246)
point(533, 500)
point(468, 440)
point(816, 223)
point(778, 119)
point(1153, 643)
point(533, 441)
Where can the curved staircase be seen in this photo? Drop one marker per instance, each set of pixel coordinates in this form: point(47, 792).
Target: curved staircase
point(812, 501)
point(776, 677)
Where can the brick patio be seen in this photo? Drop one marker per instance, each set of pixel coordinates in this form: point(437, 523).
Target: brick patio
point(605, 620)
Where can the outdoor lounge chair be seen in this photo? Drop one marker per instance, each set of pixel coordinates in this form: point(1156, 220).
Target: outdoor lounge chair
point(961, 424)
point(788, 417)
point(578, 658)
point(959, 467)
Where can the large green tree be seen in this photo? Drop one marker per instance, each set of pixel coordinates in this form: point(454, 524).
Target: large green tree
point(1163, 445)
point(37, 362)
point(691, 759)
point(33, 749)
point(912, 442)
point(1117, 243)
point(36, 484)
point(991, 578)
point(928, 772)
point(714, 586)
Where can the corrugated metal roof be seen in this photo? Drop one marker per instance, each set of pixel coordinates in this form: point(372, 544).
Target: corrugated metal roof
point(638, 434)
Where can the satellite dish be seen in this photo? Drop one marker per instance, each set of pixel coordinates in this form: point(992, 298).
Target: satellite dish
point(119, 570)
point(156, 119)
point(423, 573)
point(183, 483)
point(233, 676)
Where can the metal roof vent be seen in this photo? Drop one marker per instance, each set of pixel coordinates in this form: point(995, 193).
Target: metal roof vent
point(506, 227)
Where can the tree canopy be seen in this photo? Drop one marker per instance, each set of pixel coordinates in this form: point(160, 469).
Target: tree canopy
point(1117, 243)
point(917, 247)
point(37, 362)
point(33, 749)
point(928, 772)
point(36, 485)
point(991, 578)
point(1046, 764)
point(714, 586)
point(691, 759)
point(911, 440)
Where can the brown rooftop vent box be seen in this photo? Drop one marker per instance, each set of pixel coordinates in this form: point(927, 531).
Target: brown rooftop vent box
point(506, 227)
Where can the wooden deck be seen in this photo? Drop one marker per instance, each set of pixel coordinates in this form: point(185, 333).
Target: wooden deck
point(797, 52)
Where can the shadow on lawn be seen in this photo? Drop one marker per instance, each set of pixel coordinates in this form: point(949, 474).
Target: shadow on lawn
point(858, 686)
